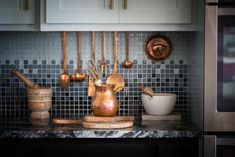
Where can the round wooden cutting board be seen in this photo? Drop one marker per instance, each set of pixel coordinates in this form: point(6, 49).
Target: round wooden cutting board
point(115, 122)
point(91, 118)
point(108, 125)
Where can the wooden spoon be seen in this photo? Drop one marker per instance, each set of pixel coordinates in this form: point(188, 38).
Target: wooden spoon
point(64, 77)
point(127, 63)
point(79, 77)
point(115, 78)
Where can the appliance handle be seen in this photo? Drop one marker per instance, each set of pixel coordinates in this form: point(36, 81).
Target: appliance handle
point(210, 73)
point(225, 141)
point(210, 145)
point(211, 1)
point(226, 11)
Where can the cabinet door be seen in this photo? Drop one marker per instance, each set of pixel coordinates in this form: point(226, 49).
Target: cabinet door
point(81, 11)
point(17, 12)
point(155, 11)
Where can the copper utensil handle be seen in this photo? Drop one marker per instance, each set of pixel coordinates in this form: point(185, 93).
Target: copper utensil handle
point(93, 47)
point(111, 4)
point(79, 52)
point(66, 121)
point(64, 52)
point(103, 47)
point(125, 4)
point(127, 45)
point(115, 52)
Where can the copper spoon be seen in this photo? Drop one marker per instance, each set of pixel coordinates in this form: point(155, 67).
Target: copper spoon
point(115, 78)
point(79, 77)
point(127, 63)
point(64, 77)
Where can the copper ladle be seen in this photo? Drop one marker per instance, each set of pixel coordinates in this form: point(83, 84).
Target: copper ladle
point(127, 63)
point(79, 77)
point(64, 77)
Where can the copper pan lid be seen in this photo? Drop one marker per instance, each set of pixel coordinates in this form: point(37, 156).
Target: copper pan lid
point(158, 47)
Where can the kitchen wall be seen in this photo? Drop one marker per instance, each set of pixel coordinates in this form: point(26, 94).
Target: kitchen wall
point(39, 56)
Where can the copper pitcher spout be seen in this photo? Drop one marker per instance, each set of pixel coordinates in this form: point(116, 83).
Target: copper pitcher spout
point(104, 103)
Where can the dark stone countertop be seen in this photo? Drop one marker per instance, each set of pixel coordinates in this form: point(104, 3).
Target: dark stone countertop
point(25, 128)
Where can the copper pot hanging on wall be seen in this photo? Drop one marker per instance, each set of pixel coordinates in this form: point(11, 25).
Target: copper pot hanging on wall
point(158, 47)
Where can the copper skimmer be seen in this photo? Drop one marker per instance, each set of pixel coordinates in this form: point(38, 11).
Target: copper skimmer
point(115, 78)
point(104, 65)
point(64, 77)
point(79, 77)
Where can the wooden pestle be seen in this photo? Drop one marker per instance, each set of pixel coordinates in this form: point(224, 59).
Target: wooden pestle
point(147, 90)
point(27, 82)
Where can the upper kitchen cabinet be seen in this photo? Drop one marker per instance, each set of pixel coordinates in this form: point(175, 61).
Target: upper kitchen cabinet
point(155, 11)
point(81, 11)
point(118, 11)
point(17, 15)
point(118, 15)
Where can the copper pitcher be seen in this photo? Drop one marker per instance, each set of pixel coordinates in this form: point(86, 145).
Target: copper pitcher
point(104, 103)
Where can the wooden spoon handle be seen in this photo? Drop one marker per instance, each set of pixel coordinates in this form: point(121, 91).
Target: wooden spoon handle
point(93, 47)
point(79, 52)
point(64, 52)
point(115, 52)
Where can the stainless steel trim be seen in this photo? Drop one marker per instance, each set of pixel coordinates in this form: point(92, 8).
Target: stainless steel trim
point(225, 141)
point(226, 11)
point(210, 146)
point(211, 1)
point(214, 120)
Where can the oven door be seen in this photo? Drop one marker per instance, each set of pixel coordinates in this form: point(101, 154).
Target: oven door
point(219, 146)
point(219, 101)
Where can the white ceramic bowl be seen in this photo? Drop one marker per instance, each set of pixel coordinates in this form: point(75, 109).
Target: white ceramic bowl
point(160, 104)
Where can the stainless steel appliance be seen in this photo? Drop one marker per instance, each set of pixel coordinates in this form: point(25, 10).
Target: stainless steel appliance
point(219, 100)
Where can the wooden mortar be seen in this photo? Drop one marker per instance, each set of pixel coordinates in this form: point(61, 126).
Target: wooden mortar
point(39, 102)
point(39, 98)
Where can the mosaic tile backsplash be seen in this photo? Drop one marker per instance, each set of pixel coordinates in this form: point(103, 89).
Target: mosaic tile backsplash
point(39, 56)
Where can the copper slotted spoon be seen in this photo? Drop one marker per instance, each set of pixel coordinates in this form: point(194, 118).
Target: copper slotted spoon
point(64, 77)
point(79, 77)
point(115, 78)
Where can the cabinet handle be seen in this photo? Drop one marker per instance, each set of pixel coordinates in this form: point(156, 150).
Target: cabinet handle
point(25, 5)
point(111, 4)
point(125, 4)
